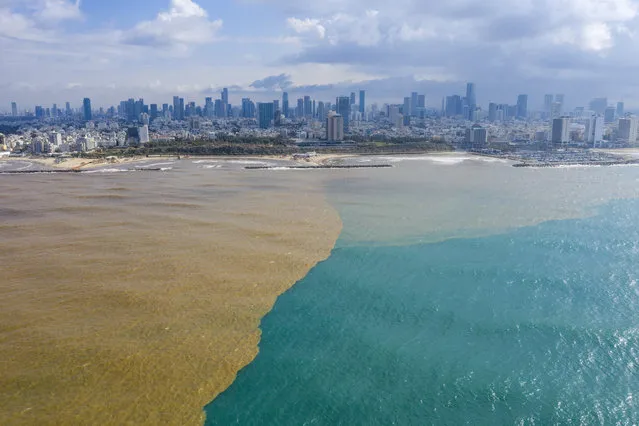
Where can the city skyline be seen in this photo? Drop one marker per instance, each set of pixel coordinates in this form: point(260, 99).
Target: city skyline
point(257, 49)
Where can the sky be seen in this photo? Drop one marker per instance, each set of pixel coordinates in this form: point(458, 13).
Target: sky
point(53, 51)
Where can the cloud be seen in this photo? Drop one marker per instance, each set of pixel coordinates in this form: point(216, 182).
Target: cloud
point(302, 26)
point(59, 10)
point(185, 24)
point(272, 82)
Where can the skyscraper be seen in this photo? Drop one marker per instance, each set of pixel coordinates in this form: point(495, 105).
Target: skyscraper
point(599, 105)
point(308, 107)
point(343, 108)
point(178, 108)
point(406, 108)
point(620, 109)
point(266, 114)
point(362, 103)
point(68, 109)
point(154, 111)
point(285, 104)
point(334, 127)
point(86, 109)
point(609, 114)
point(225, 102)
point(522, 106)
point(561, 99)
point(14, 109)
point(471, 100)
point(299, 111)
point(413, 104)
point(353, 99)
point(54, 111)
point(560, 130)
point(627, 130)
point(492, 112)
point(548, 100)
point(421, 102)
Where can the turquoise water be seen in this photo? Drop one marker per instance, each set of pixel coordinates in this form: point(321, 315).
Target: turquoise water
point(538, 325)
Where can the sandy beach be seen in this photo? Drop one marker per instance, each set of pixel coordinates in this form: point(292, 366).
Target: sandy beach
point(131, 300)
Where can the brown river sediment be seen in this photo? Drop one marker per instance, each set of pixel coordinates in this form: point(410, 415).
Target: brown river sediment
point(134, 298)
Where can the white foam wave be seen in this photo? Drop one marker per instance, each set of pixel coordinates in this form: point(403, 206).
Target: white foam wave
point(248, 162)
point(445, 160)
point(28, 166)
point(212, 166)
point(105, 171)
point(205, 161)
point(160, 164)
point(166, 169)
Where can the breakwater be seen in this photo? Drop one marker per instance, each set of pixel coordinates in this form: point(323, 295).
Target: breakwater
point(326, 166)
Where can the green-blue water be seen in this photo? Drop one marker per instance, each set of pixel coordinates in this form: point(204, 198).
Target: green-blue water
point(537, 325)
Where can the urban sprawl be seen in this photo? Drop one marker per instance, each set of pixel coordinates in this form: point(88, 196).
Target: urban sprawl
point(460, 122)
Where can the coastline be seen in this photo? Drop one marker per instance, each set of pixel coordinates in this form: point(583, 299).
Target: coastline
point(167, 329)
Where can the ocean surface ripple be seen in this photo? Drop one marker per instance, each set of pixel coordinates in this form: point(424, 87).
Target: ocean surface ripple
point(538, 325)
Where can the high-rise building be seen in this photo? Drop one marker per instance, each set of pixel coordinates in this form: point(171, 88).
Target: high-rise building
point(343, 108)
point(248, 108)
point(561, 99)
point(560, 130)
point(620, 109)
point(143, 134)
point(86, 109)
point(285, 104)
point(154, 111)
point(594, 129)
point(609, 114)
point(421, 103)
point(522, 106)
point(266, 113)
point(362, 103)
point(413, 104)
point(308, 107)
point(321, 111)
point(68, 111)
point(453, 105)
point(178, 108)
point(14, 109)
point(599, 105)
point(406, 108)
point(353, 99)
point(299, 111)
point(627, 130)
point(276, 105)
point(471, 99)
point(548, 100)
point(54, 111)
point(334, 127)
point(492, 112)
point(555, 110)
point(476, 137)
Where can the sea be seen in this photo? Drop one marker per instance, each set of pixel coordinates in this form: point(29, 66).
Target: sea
point(461, 290)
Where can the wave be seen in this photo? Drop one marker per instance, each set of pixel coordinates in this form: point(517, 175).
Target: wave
point(166, 169)
point(159, 164)
point(205, 161)
point(105, 171)
point(212, 166)
point(444, 160)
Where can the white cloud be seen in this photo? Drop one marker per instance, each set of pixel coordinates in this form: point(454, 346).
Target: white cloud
point(58, 10)
point(185, 24)
point(302, 26)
